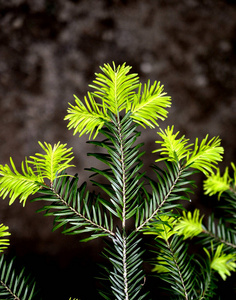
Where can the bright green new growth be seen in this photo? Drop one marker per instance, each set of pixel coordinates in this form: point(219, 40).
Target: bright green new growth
point(116, 90)
point(202, 157)
point(55, 160)
point(189, 225)
point(221, 262)
point(163, 228)
point(131, 203)
point(4, 242)
point(34, 172)
point(217, 184)
point(16, 185)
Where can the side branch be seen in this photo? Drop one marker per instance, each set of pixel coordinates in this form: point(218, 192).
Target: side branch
point(141, 226)
point(123, 177)
point(9, 290)
point(219, 239)
point(179, 271)
point(81, 215)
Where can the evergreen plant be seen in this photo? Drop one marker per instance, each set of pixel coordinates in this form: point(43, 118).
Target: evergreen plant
point(130, 202)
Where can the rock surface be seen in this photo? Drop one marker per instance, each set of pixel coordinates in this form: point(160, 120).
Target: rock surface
point(49, 50)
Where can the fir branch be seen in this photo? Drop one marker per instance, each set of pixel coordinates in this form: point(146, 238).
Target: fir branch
point(116, 107)
point(127, 276)
point(218, 234)
point(149, 105)
point(190, 225)
point(73, 206)
point(86, 118)
point(205, 156)
point(16, 185)
point(86, 220)
point(115, 87)
point(12, 285)
point(175, 261)
point(221, 262)
point(124, 175)
point(164, 197)
point(172, 148)
point(4, 242)
point(124, 163)
point(217, 184)
point(55, 160)
point(207, 280)
point(174, 265)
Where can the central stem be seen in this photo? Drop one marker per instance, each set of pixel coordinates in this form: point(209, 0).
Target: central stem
point(123, 176)
point(124, 259)
point(125, 268)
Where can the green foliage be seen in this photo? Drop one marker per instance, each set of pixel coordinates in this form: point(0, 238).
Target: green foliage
point(74, 206)
point(116, 89)
point(130, 203)
point(12, 285)
point(168, 189)
point(206, 155)
point(126, 279)
point(217, 184)
point(221, 262)
point(172, 148)
point(149, 105)
point(163, 228)
point(55, 160)
point(44, 166)
point(202, 157)
point(4, 242)
point(85, 118)
point(16, 185)
point(174, 265)
point(189, 225)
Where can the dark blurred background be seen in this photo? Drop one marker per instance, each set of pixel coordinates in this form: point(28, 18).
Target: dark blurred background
point(49, 50)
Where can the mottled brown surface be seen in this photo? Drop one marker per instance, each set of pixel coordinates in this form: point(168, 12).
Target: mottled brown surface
point(49, 50)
